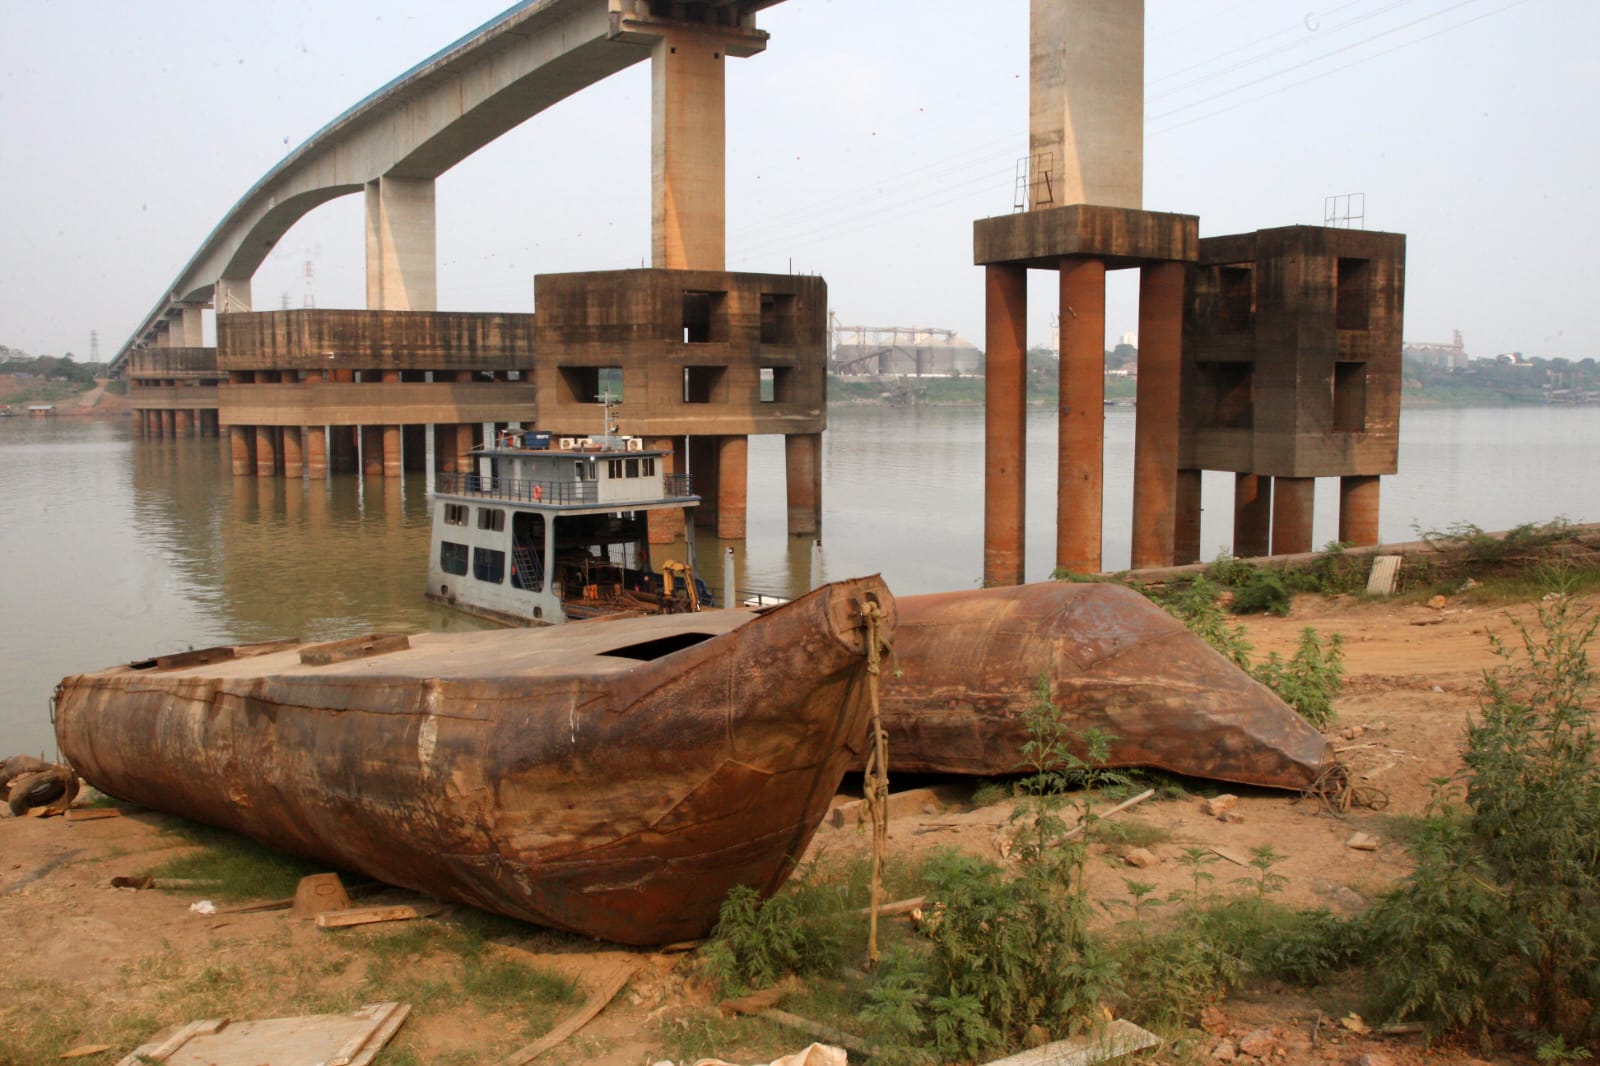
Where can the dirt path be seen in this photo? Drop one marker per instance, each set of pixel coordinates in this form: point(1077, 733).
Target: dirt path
point(88, 960)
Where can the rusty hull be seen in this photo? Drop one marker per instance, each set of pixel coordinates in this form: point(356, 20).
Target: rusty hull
point(615, 781)
point(966, 665)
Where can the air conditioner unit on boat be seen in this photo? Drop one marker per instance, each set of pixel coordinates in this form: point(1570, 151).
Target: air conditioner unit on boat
point(636, 444)
point(566, 444)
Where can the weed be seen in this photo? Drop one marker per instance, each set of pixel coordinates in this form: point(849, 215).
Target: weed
point(797, 931)
point(1311, 678)
point(991, 792)
point(1499, 921)
point(1130, 833)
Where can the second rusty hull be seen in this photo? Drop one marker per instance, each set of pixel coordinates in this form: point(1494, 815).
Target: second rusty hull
point(613, 780)
point(966, 667)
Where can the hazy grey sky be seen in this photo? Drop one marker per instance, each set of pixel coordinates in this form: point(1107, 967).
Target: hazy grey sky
point(861, 146)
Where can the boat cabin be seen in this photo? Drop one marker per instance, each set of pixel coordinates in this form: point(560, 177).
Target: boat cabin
point(553, 530)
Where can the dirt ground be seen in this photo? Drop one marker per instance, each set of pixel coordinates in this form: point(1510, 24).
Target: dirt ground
point(93, 960)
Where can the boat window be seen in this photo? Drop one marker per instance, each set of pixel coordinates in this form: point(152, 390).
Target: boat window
point(452, 558)
point(489, 565)
point(647, 467)
point(491, 518)
point(581, 475)
point(633, 468)
point(455, 514)
point(660, 648)
point(613, 468)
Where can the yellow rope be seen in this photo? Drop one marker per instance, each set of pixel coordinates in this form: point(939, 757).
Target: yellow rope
point(876, 780)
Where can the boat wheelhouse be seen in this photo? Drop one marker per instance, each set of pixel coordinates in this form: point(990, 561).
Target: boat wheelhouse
point(556, 530)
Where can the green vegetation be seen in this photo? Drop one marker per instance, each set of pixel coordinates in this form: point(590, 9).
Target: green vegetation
point(1497, 927)
point(233, 867)
point(1487, 383)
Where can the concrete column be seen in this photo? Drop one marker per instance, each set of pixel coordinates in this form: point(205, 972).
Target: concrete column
point(266, 451)
point(469, 437)
point(393, 452)
point(733, 464)
point(169, 422)
point(372, 451)
point(1080, 451)
point(1005, 429)
point(1186, 529)
point(1155, 434)
point(342, 449)
point(703, 457)
point(1358, 510)
point(1086, 104)
point(688, 149)
point(1252, 515)
point(293, 452)
point(1293, 502)
point(802, 460)
point(402, 247)
point(188, 327)
point(242, 448)
point(183, 423)
point(316, 449)
point(232, 295)
point(666, 527)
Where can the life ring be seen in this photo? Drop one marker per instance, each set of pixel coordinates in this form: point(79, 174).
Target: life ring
point(538, 493)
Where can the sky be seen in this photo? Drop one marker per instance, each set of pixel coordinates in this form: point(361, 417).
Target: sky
point(861, 146)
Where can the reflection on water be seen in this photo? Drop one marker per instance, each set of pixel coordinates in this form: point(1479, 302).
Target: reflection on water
point(115, 551)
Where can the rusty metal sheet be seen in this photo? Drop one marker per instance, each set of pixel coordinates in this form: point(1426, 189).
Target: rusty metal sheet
point(966, 665)
point(614, 780)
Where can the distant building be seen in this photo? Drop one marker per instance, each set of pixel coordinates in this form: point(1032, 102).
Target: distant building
point(1451, 356)
point(911, 351)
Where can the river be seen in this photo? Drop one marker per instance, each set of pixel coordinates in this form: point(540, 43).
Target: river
point(117, 550)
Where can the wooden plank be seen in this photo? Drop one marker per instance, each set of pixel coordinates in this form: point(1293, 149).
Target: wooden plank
point(1385, 572)
point(826, 1033)
point(364, 916)
point(147, 1053)
point(603, 995)
point(1118, 1038)
point(342, 651)
point(92, 814)
point(360, 1048)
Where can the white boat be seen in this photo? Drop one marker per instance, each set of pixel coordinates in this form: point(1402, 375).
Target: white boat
point(552, 530)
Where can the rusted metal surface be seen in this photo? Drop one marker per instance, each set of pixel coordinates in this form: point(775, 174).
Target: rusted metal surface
point(614, 780)
point(966, 666)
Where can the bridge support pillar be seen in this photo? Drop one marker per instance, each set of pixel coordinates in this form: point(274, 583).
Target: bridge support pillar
point(402, 256)
point(1252, 515)
point(293, 452)
point(1186, 529)
point(688, 151)
point(168, 425)
point(1293, 503)
point(1155, 435)
point(1080, 455)
point(316, 449)
point(666, 527)
point(242, 448)
point(733, 462)
point(1005, 428)
point(802, 460)
point(266, 451)
point(1358, 510)
point(231, 295)
point(393, 452)
point(183, 423)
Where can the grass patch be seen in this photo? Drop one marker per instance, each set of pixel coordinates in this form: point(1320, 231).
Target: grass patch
point(243, 869)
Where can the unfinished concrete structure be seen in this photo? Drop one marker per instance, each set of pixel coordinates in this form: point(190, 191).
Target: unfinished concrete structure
point(307, 392)
point(173, 392)
point(1318, 380)
point(1291, 371)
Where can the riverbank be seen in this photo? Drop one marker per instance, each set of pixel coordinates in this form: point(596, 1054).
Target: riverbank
point(101, 965)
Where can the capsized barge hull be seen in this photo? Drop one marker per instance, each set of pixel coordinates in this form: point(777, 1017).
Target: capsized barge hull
point(613, 780)
point(966, 667)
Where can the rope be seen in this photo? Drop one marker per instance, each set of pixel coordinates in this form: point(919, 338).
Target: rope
point(877, 779)
point(1337, 794)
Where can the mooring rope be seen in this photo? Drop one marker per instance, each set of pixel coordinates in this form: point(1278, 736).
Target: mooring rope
point(877, 778)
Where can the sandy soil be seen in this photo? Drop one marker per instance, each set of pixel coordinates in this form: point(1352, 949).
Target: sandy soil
point(95, 953)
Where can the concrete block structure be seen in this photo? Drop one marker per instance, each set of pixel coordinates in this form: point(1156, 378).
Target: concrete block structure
point(173, 392)
point(1291, 371)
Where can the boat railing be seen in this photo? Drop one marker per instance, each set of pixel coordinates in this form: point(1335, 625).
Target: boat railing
point(522, 490)
point(677, 485)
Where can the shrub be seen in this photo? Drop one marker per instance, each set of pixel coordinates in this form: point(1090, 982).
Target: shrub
point(756, 943)
point(1310, 680)
point(1500, 920)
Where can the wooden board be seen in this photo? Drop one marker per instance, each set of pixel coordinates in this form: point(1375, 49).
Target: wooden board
point(1119, 1038)
point(352, 1039)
